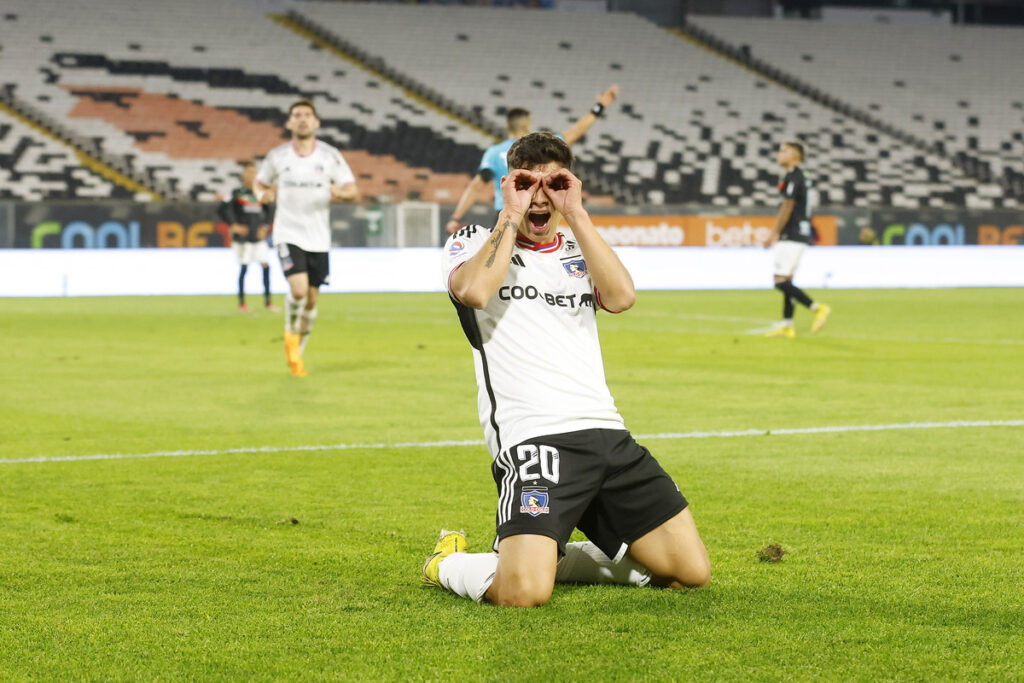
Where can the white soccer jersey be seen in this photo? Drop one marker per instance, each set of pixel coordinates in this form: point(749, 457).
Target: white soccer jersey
point(303, 205)
point(535, 346)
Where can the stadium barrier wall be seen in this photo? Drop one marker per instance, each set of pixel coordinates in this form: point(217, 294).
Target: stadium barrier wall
point(111, 272)
point(107, 224)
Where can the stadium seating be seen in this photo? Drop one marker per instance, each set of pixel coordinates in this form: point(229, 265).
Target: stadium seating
point(169, 89)
point(34, 166)
point(184, 90)
point(690, 127)
point(959, 88)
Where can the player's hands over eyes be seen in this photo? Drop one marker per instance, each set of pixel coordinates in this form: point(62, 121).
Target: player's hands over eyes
point(564, 191)
point(518, 188)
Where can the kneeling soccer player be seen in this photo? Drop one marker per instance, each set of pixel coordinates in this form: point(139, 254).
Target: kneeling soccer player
point(527, 294)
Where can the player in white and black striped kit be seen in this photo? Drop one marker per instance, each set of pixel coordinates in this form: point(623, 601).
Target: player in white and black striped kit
point(791, 235)
point(527, 293)
point(302, 177)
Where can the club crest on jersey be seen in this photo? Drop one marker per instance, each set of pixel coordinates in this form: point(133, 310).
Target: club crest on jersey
point(456, 247)
point(534, 502)
point(576, 267)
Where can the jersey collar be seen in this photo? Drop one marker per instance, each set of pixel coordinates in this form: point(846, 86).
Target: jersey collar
point(299, 154)
point(555, 245)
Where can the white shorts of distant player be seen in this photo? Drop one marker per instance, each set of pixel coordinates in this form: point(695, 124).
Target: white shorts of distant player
point(787, 257)
point(251, 252)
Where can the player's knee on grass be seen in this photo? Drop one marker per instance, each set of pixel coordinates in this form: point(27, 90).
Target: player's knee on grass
point(519, 589)
point(526, 570)
point(674, 554)
point(689, 569)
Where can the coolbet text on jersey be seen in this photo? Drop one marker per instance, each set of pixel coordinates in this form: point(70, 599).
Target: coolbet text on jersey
point(545, 309)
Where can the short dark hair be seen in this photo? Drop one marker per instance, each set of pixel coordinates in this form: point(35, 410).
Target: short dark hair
point(515, 114)
point(537, 149)
point(797, 146)
point(302, 103)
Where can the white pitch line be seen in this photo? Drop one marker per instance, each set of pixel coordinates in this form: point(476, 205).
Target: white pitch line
point(756, 331)
point(838, 429)
point(240, 451)
point(834, 429)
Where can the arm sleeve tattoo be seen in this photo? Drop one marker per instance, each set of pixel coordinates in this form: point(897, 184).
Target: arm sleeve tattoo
point(495, 241)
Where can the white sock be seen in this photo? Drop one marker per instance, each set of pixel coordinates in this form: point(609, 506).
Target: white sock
point(468, 574)
point(306, 326)
point(585, 563)
point(293, 309)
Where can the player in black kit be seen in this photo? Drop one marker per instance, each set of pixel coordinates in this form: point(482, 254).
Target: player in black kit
point(791, 235)
point(250, 224)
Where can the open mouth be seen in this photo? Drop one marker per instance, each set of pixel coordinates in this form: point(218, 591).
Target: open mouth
point(539, 221)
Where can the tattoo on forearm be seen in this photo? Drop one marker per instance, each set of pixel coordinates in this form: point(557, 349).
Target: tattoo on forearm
point(495, 241)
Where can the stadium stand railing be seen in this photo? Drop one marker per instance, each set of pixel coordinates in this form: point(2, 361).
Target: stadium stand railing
point(42, 159)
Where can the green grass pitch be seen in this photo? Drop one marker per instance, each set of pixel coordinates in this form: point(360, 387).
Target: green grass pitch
point(233, 554)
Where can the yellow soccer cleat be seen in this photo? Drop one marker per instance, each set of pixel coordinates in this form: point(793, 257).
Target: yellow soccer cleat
point(449, 542)
point(820, 316)
point(786, 331)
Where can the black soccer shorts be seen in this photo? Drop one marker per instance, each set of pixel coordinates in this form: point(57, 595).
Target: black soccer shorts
point(600, 481)
point(314, 263)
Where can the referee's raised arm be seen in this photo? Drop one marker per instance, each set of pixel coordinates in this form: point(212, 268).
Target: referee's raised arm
point(583, 123)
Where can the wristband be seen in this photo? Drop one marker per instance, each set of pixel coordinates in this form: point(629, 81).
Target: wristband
point(597, 109)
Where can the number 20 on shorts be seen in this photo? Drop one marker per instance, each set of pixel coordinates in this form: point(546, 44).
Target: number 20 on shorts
point(530, 456)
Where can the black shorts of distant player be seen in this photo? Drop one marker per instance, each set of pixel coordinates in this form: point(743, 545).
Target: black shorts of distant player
point(600, 481)
point(297, 260)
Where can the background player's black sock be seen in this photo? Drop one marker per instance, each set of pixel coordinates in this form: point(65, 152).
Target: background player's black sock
point(266, 284)
point(789, 289)
point(241, 284)
point(787, 307)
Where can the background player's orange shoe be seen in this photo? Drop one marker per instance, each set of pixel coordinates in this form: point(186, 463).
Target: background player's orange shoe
point(293, 354)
